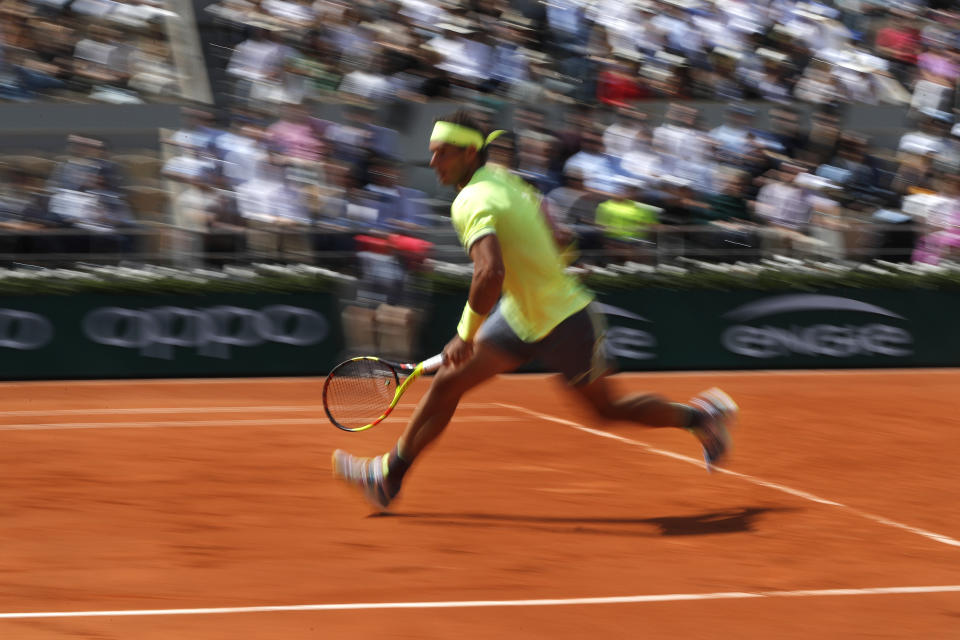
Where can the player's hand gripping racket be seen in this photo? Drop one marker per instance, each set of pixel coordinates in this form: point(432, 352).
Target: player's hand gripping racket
point(361, 392)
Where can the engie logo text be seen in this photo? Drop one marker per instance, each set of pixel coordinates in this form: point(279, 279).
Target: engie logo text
point(627, 342)
point(870, 331)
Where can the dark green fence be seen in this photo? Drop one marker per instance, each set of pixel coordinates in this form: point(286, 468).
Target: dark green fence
point(120, 336)
point(663, 330)
point(141, 336)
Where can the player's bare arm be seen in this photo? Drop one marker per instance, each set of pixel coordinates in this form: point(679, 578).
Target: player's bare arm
point(485, 289)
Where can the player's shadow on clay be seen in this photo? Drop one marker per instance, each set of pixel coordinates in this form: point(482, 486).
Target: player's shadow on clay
point(713, 522)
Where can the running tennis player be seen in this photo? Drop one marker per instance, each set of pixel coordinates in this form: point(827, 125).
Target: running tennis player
point(522, 305)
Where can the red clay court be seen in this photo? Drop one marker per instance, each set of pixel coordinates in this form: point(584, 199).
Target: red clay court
point(205, 509)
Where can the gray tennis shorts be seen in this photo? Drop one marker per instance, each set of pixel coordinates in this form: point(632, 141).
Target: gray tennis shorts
point(575, 348)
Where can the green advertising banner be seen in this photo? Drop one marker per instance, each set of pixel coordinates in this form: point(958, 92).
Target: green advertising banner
point(266, 334)
point(121, 336)
point(656, 329)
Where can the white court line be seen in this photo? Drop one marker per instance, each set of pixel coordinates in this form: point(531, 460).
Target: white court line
point(462, 604)
point(743, 476)
point(218, 409)
point(167, 424)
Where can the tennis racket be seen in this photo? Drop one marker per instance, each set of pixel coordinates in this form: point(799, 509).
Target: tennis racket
point(361, 392)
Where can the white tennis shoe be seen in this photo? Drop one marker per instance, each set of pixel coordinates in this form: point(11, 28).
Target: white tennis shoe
point(366, 474)
point(720, 414)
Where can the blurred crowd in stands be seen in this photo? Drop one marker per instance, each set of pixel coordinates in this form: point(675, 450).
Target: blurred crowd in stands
point(261, 174)
point(112, 51)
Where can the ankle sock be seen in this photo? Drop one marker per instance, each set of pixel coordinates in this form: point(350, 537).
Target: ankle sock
point(693, 417)
point(396, 468)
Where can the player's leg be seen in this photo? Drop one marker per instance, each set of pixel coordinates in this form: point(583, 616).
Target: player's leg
point(576, 348)
point(708, 416)
point(380, 477)
point(647, 409)
point(438, 405)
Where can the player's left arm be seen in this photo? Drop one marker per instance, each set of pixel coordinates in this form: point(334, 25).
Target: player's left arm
point(485, 289)
point(488, 273)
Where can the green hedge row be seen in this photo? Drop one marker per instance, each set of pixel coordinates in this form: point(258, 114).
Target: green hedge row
point(780, 274)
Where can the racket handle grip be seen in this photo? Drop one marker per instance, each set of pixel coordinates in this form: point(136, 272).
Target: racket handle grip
point(432, 364)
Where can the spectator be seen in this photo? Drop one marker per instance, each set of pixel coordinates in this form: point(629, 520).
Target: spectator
point(854, 170)
point(731, 139)
point(618, 83)
point(24, 212)
point(731, 234)
point(86, 161)
point(774, 84)
point(930, 135)
point(683, 148)
point(369, 84)
point(257, 66)
point(400, 209)
point(821, 142)
point(310, 70)
point(783, 139)
point(899, 43)
point(209, 216)
point(628, 132)
point(102, 214)
point(102, 60)
point(785, 207)
point(275, 211)
point(510, 64)
point(242, 149)
point(625, 220)
point(942, 238)
point(533, 162)
point(598, 168)
point(294, 135)
point(938, 71)
point(721, 81)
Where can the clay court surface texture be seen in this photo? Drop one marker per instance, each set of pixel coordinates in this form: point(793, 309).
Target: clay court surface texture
point(205, 509)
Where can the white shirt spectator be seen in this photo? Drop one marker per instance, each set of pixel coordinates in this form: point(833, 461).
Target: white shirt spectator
point(922, 143)
point(106, 54)
point(192, 207)
point(301, 14)
point(642, 163)
point(257, 59)
point(77, 207)
point(189, 166)
point(93, 8)
point(598, 170)
point(423, 12)
point(138, 14)
point(270, 199)
point(243, 157)
point(367, 85)
point(784, 205)
point(619, 139)
point(684, 154)
point(465, 58)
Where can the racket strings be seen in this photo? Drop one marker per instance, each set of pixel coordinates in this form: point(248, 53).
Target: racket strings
point(359, 391)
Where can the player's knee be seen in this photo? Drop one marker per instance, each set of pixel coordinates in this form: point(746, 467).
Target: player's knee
point(451, 382)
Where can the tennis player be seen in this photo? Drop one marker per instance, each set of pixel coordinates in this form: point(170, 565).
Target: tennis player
point(522, 305)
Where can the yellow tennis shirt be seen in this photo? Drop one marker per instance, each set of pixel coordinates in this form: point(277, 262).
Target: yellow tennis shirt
point(538, 294)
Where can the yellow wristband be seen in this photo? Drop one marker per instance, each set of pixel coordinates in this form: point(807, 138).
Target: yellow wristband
point(470, 323)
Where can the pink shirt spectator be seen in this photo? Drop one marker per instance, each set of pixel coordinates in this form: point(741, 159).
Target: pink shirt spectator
point(939, 65)
point(944, 239)
point(295, 139)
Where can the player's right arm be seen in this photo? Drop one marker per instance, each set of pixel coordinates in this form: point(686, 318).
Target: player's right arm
point(485, 288)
